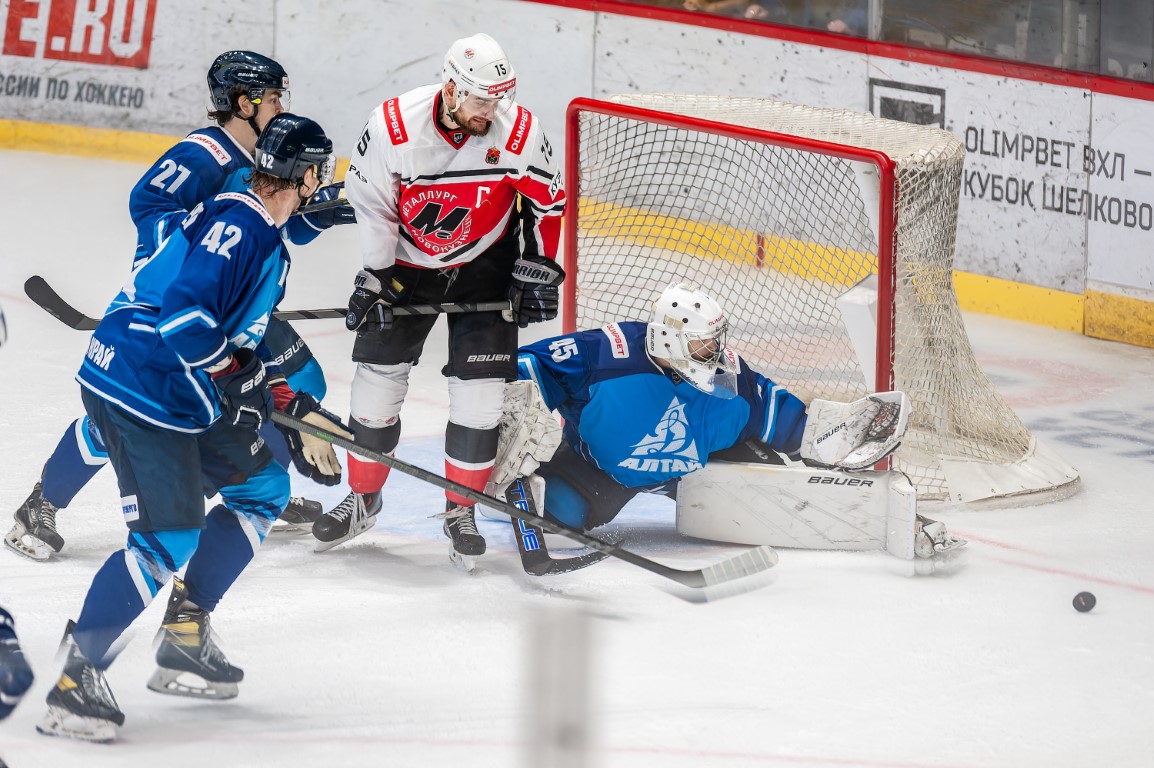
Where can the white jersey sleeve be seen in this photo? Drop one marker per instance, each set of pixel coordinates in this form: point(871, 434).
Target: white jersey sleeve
point(371, 187)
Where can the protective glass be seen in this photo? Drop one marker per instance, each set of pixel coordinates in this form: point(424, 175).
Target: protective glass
point(326, 170)
point(487, 105)
point(707, 364)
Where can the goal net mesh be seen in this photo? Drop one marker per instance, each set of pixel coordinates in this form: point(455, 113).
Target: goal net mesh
point(777, 234)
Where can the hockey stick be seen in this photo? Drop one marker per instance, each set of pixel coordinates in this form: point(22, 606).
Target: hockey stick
point(46, 297)
point(535, 557)
point(747, 563)
point(323, 205)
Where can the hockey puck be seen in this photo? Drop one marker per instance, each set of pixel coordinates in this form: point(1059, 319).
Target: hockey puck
point(1084, 601)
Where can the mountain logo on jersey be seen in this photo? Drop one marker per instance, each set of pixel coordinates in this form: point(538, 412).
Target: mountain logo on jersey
point(669, 448)
point(492, 156)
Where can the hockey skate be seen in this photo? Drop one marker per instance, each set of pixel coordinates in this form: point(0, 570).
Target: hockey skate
point(347, 520)
point(191, 664)
point(298, 516)
point(15, 674)
point(461, 528)
point(34, 532)
point(81, 705)
point(931, 538)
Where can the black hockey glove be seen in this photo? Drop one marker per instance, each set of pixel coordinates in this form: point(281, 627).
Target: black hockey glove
point(374, 292)
point(245, 400)
point(330, 217)
point(533, 294)
point(313, 457)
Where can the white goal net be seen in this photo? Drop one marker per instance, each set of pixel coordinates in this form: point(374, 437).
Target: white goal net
point(804, 223)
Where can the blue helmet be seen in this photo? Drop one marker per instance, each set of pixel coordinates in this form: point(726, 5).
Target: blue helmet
point(246, 69)
point(289, 144)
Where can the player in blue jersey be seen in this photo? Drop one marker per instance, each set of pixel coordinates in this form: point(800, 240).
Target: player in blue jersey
point(15, 674)
point(247, 90)
point(175, 380)
point(646, 403)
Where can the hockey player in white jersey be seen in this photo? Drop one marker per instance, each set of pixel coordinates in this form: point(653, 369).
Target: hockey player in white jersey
point(458, 199)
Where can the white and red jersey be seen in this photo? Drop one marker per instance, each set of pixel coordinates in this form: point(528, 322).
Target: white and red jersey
point(434, 198)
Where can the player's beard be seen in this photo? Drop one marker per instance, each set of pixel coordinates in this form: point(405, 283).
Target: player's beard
point(470, 128)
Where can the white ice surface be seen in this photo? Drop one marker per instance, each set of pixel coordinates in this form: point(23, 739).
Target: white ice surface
point(381, 653)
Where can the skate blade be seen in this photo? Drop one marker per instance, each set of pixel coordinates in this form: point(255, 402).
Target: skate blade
point(61, 722)
point(951, 544)
point(179, 683)
point(23, 543)
point(291, 529)
point(355, 531)
point(464, 563)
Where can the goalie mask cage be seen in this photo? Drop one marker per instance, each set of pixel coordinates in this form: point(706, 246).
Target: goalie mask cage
point(790, 216)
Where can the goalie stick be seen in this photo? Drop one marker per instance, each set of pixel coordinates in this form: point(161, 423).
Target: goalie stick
point(535, 557)
point(747, 563)
point(46, 297)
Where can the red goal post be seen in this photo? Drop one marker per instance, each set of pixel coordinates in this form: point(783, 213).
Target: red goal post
point(827, 234)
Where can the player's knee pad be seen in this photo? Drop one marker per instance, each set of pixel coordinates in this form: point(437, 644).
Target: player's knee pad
point(159, 554)
point(378, 392)
point(475, 403)
point(381, 440)
point(89, 439)
point(260, 499)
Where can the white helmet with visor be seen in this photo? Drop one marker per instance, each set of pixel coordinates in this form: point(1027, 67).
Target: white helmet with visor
point(482, 75)
point(688, 331)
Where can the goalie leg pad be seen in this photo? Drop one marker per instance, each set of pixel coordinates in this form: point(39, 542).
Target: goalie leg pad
point(798, 507)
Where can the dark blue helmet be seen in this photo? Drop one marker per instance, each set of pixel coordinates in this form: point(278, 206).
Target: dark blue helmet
point(289, 144)
point(245, 69)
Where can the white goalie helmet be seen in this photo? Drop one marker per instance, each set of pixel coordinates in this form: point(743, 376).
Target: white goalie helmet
point(688, 330)
point(483, 77)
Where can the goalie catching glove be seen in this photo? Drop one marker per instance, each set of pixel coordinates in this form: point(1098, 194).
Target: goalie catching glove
point(314, 458)
point(854, 435)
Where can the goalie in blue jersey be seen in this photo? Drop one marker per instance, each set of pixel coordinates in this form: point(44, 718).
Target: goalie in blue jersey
point(647, 404)
point(179, 382)
point(247, 90)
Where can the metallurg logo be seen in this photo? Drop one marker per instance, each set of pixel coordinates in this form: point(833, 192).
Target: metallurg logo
point(669, 448)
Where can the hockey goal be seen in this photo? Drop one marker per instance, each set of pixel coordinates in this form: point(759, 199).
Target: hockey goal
point(806, 224)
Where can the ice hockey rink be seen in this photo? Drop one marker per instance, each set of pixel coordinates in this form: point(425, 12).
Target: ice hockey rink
point(381, 653)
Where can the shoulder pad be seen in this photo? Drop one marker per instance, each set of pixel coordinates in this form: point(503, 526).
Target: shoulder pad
point(394, 122)
point(214, 147)
point(519, 134)
point(251, 202)
point(618, 344)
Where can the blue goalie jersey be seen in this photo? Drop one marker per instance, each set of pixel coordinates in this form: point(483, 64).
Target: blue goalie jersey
point(210, 287)
point(627, 416)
